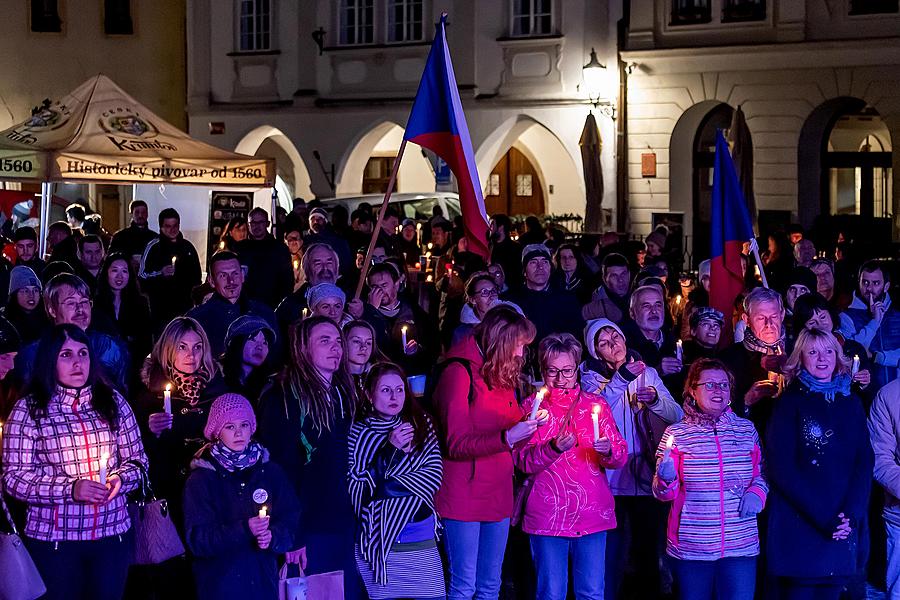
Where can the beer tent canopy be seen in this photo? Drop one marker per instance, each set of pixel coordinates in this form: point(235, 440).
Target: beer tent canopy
point(100, 134)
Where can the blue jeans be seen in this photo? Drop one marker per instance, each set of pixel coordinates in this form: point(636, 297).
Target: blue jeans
point(551, 561)
point(724, 579)
point(475, 555)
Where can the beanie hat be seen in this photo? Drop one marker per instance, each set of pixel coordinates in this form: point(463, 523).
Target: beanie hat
point(706, 313)
point(22, 276)
point(802, 276)
point(248, 325)
point(533, 251)
point(657, 238)
point(25, 233)
point(591, 330)
point(319, 292)
point(9, 337)
point(225, 408)
point(318, 211)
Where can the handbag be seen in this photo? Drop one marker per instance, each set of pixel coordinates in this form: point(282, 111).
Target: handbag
point(21, 579)
point(322, 586)
point(156, 539)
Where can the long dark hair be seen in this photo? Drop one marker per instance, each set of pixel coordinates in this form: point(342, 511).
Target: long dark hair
point(130, 295)
point(44, 380)
point(233, 365)
point(411, 412)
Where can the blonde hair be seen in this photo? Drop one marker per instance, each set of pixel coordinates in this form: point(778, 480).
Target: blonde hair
point(558, 343)
point(498, 334)
point(822, 339)
point(163, 356)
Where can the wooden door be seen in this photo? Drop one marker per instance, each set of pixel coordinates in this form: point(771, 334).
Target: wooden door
point(514, 187)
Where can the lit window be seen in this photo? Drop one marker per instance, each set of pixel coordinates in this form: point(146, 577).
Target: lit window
point(405, 20)
point(117, 17)
point(256, 25)
point(532, 17)
point(523, 185)
point(45, 16)
point(493, 186)
point(357, 22)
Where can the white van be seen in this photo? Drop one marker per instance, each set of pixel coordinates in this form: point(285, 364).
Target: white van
point(410, 205)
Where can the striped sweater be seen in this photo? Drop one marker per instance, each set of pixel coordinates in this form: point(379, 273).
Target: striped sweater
point(716, 463)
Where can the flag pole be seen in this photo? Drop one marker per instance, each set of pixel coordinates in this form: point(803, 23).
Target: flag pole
point(754, 248)
point(384, 204)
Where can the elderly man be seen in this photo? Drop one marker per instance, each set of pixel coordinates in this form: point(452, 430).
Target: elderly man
point(804, 253)
point(760, 353)
point(646, 331)
point(68, 300)
point(270, 273)
point(227, 302)
point(610, 300)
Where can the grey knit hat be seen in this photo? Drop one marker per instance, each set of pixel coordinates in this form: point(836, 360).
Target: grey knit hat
point(319, 292)
point(22, 276)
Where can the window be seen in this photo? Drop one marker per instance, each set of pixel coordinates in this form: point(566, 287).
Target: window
point(744, 10)
point(255, 18)
point(117, 17)
point(377, 174)
point(873, 7)
point(523, 185)
point(532, 17)
point(404, 20)
point(493, 186)
point(357, 22)
point(45, 16)
point(689, 12)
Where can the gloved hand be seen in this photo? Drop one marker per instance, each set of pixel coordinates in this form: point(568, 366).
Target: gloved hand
point(666, 470)
point(751, 505)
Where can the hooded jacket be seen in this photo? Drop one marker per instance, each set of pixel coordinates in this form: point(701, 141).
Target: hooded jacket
point(602, 306)
point(570, 496)
point(478, 465)
point(884, 433)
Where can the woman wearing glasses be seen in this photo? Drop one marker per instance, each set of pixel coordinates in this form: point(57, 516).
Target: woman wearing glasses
point(482, 294)
point(709, 467)
point(569, 506)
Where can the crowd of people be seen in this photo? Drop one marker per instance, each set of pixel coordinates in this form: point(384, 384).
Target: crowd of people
point(566, 418)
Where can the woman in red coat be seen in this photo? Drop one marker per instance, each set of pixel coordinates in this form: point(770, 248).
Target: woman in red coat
point(480, 423)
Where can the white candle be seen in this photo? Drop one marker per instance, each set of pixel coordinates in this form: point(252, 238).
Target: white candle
point(305, 312)
point(679, 350)
point(263, 512)
point(403, 331)
point(429, 279)
point(174, 258)
point(296, 264)
point(538, 398)
point(221, 247)
point(669, 443)
point(854, 369)
point(104, 458)
point(167, 399)
point(595, 417)
point(641, 381)
point(430, 246)
point(419, 233)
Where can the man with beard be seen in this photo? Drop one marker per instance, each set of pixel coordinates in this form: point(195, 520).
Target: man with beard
point(872, 321)
point(757, 360)
point(320, 232)
point(610, 300)
point(26, 249)
point(270, 274)
point(505, 251)
point(227, 302)
point(132, 240)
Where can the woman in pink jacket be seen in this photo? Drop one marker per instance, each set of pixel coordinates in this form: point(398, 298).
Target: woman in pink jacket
point(709, 467)
point(480, 422)
point(569, 506)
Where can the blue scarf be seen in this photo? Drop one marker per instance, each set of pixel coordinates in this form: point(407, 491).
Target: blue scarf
point(837, 385)
point(233, 461)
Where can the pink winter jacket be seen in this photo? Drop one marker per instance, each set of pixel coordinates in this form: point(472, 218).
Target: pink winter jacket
point(570, 496)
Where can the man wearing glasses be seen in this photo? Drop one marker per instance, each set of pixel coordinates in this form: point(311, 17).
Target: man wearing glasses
point(270, 273)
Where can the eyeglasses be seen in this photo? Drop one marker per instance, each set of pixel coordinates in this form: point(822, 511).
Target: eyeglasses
point(567, 372)
point(488, 293)
point(712, 385)
point(72, 305)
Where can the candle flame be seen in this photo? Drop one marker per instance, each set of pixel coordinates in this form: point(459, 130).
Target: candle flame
point(404, 329)
point(670, 442)
point(168, 387)
point(596, 409)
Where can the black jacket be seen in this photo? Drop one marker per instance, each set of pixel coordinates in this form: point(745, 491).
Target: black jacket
point(227, 561)
point(132, 240)
point(217, 313)
point(169, 296)
point(270, 273)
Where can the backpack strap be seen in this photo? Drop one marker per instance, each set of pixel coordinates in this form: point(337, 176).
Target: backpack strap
point(467, 366)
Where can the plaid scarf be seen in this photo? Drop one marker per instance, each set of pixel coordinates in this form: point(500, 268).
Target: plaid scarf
point(754, 344)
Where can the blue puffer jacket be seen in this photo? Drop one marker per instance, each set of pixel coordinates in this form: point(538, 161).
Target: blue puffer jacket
point(882, 340)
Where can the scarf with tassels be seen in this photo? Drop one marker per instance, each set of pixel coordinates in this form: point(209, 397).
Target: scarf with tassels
point(838, 385)
point(754, 344)
point(419, 471)
point(232, 460)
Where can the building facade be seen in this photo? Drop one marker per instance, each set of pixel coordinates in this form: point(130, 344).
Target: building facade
point(325, 87)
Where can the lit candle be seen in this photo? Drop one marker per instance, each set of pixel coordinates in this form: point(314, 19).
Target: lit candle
point(174, 258)
point(221, 247)
point(669, 443)
point(430, 246)
point(263, 512)
point(419, 233)
point(104, 458)
point(167, 399)
point(403, 331)
point(595, 417)
point(305, 312)
point(538, 398)
point(429, 279)
point(678, 300)
point(854, 369)
point(296, 264)
point(679, 350)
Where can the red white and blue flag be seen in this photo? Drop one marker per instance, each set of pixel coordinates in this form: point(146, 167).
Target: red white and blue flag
point(437, 122)
point(731, 229)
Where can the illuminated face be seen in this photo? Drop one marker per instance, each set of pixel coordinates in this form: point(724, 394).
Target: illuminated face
point(235, 434)
point(707, 332)
point(360, 342)
point(324, 266)
point(712, 401)
point(389, 395)
point(294, 242)
point(256, 350)
point(91, 255)
point(325, 348)
point(873, 285)
point(170, 228)
point(188, 353)
point(259, 225)
point(28, 297)
point(819, 360)
point(73, 364)
point(617, 280)
point(72, 307)
point(537, 272)
point(25, 250)
point(820, 320)
point(765, 320)
point(649, 310)
point(389, 287)
point(610, 346)
point(228, 279)
point(485, 297)
point(117, 275)
point(561, 371)
point(332, 307)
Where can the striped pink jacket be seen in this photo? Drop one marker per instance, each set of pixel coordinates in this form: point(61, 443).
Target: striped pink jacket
point(716, 464)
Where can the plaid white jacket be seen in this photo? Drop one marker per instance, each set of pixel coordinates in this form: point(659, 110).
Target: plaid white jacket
point(43, 459)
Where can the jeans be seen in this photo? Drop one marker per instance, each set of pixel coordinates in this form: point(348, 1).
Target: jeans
point(893, 560)
point(551, 561)
point(723, 579)
point(475, 556)
point(94, 570)
point(638, 540)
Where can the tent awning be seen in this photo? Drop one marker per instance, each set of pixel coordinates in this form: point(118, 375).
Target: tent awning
point(99, 133)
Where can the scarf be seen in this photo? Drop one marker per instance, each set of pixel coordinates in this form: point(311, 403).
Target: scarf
point(419, 471)
point(189, 386)
point(837, 385)
point(233, 461)
point(754, 344)
point(695, 416)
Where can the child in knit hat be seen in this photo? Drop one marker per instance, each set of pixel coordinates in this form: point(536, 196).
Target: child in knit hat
point(240, 510)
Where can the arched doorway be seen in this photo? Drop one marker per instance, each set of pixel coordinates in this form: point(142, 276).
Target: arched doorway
point(514, 186)
point(366, 167)
point(704, 156)
point(291, 175)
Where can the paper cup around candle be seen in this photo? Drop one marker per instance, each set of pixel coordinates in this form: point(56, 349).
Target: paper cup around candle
point(416, 385)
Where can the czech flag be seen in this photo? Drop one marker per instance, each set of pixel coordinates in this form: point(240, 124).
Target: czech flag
point(731, 228)
point(437, 122)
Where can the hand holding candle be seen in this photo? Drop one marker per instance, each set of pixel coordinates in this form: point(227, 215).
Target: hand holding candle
point(538, 398)
point(403, 338)
point(263, 512)
point(679, 350)
point(666, 468)
point(104, 459)
point(595, 417)
point(854, 369)
point(669, 443)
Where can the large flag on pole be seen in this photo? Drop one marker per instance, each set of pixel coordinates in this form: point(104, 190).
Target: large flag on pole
point(731, 229)
point(437, 122)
